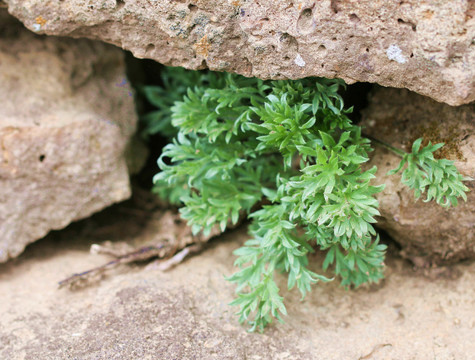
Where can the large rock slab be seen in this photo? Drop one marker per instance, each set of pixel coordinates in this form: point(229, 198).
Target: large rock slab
point(66, 116)
point(427, 233)
point(184, 313)
point(425, 46)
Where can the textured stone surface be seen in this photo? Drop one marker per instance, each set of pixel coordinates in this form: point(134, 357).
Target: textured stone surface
point(66, 115)
point(427, 232)
point(426, 46)
point(184, 313)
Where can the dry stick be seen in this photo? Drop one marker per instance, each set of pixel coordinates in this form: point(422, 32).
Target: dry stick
point(143, 253)
point(177, 258)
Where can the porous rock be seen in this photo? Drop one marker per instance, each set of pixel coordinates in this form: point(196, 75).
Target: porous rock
point(425, 46)
point(428, 233)
point(66, 116)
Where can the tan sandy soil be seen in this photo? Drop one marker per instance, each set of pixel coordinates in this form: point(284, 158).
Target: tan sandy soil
point(138, 313)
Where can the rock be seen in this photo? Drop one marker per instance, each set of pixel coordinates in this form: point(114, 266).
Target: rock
point(427, 47)
point(66, 116)
point(184, 313)
point(427, 232)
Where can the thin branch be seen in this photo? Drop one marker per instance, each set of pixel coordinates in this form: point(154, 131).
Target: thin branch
point(176, 259)
point(143, 253)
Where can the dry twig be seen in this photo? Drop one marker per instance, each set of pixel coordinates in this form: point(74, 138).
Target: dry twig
point(141, 254)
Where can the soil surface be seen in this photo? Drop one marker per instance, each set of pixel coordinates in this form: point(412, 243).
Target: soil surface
point(139, 312)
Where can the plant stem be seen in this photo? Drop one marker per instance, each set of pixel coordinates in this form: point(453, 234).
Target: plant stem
point(395, 150)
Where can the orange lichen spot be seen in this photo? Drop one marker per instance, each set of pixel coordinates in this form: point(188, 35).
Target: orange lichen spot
point(236, 3)
point(203, 46)
point(427, 14)
point(299, 7)
point(40, 20)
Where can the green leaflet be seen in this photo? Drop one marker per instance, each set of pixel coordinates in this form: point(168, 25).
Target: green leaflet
point(285, 154)
point(439, 178)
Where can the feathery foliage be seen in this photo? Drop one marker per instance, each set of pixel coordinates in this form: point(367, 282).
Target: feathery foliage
point(286, 155)
point(439, 177)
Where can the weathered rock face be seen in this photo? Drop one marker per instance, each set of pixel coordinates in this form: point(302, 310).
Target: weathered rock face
point(66, 115)
point(427, 232)
point(425, 46)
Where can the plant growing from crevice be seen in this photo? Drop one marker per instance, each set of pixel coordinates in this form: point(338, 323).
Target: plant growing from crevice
point(285, 155)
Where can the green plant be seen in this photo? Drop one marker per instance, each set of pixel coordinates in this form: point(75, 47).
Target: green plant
point(285, 154)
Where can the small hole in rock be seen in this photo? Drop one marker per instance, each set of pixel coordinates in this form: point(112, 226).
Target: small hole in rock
point(288, 39)
point(307, 13)
point(354, 17)
point(412, 55)
point(149, 48)
point(204, 65)
point(334, 6)
point(119, 3)
point(367, 49)
point(284, 37)
point(192, 7)
point(402, 22)
point(305, 22)
point(41, 158)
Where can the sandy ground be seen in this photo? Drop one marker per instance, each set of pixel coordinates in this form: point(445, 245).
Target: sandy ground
point(142, 313)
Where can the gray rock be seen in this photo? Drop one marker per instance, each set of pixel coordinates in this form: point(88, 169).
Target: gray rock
point(428, 233)
point(427, 47)
point(66, 116)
